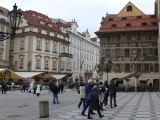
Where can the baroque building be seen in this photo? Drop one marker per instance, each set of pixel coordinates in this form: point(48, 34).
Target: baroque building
point(85, 50)
point(130, 40)
point(39, 45)
point(4, 45)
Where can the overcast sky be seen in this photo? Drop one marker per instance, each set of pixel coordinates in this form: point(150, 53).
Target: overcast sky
point(87, 13)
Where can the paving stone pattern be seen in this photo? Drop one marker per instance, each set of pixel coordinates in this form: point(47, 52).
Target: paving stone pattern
point(131, 106)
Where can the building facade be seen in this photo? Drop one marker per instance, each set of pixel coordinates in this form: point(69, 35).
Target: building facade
point(130, 40)
point(4, 45)
point(39, 45)
point(85, 50)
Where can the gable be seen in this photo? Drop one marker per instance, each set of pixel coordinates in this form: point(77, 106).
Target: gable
point(130, 10)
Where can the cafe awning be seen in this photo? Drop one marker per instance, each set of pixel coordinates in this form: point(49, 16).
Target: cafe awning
point(9, 74)
point(28, 74)
point(58, 76)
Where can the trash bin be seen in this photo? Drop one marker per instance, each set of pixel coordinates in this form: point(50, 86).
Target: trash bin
point(44, 109)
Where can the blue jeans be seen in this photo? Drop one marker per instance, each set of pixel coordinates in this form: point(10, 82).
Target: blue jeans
point(55, 99)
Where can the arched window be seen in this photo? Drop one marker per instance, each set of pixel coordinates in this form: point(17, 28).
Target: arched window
point(129, 8)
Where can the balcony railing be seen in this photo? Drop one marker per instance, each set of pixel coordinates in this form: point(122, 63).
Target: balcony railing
point(65, 55)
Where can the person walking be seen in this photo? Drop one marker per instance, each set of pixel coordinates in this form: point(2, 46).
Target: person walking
point(82, 94)
point(112, 88)
point(55, 90)
point(106, 94)
point(93, 100)
point(88, 88)
point(38, 90)
point(4, 88)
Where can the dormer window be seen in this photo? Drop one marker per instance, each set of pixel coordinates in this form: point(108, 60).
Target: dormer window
point(129, 8)
point(144, 24)
point(114, 25)
point(154, 23)
point(128, 25)
point(110, 19)
point(124, 18)
point(139, 17)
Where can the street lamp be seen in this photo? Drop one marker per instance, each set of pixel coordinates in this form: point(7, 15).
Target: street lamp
point(108, 67)
point(15, 18)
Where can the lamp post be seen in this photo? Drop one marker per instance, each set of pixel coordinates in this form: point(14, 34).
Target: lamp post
point(15, 18)
point(108, 67)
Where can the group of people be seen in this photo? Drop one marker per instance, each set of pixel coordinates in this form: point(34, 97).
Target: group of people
point(33, 87)
point(94, 95)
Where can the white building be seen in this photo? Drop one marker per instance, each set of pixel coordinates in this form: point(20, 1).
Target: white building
point(39, 45)
point(4, 45)
point(85, 50)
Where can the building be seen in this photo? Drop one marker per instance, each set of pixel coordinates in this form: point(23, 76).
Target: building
point(39, 45)
point(4, 45)
point(130, 40)
point(85, 50)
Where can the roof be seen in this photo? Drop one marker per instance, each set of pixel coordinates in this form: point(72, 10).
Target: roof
point(130, 23)
point(128, 20)
point(4, 11)
point(40, 20)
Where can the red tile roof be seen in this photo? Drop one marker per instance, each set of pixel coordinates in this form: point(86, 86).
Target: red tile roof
point(111, 23)
point(4, 11)
point(40, 20)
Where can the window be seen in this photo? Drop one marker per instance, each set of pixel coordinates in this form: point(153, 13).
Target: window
point(1, 55)
point(139, 17)
point(129, 8)
point(124, 18)
point(127, 67)
point(39, 44)
point(2, 28)
point(62, 67)
point(21, 61)
point(146, 67)
point(114, 25)
point(74, 65)
point(54, 63)
point(150, 51)
point(54, 47)
point(128, 25)
point(47, 46)
point(68, 65)
point(144, 24)
point(22, 43)
point(110, 19)
point(38, 62)
point(46, 63)
point(154, 23)
point(63, 49)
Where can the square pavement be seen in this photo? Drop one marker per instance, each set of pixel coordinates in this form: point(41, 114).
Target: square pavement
point(131, 106)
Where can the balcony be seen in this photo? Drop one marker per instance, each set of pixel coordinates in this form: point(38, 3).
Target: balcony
point(65, 55)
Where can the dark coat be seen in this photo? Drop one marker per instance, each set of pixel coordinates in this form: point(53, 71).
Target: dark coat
point(88, 88)
point(112, 88)
point(93, 100)
point(54, 88)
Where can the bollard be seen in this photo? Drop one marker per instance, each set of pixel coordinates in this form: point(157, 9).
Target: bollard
point(43, 109)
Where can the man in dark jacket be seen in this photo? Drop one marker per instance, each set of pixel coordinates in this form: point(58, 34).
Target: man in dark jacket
point(55, 90)
point(88, 88)
point(93, 100)
point(106, 94)
point(112, 88)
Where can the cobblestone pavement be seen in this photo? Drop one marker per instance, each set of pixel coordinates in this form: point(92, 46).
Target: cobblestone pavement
point(131, 106)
